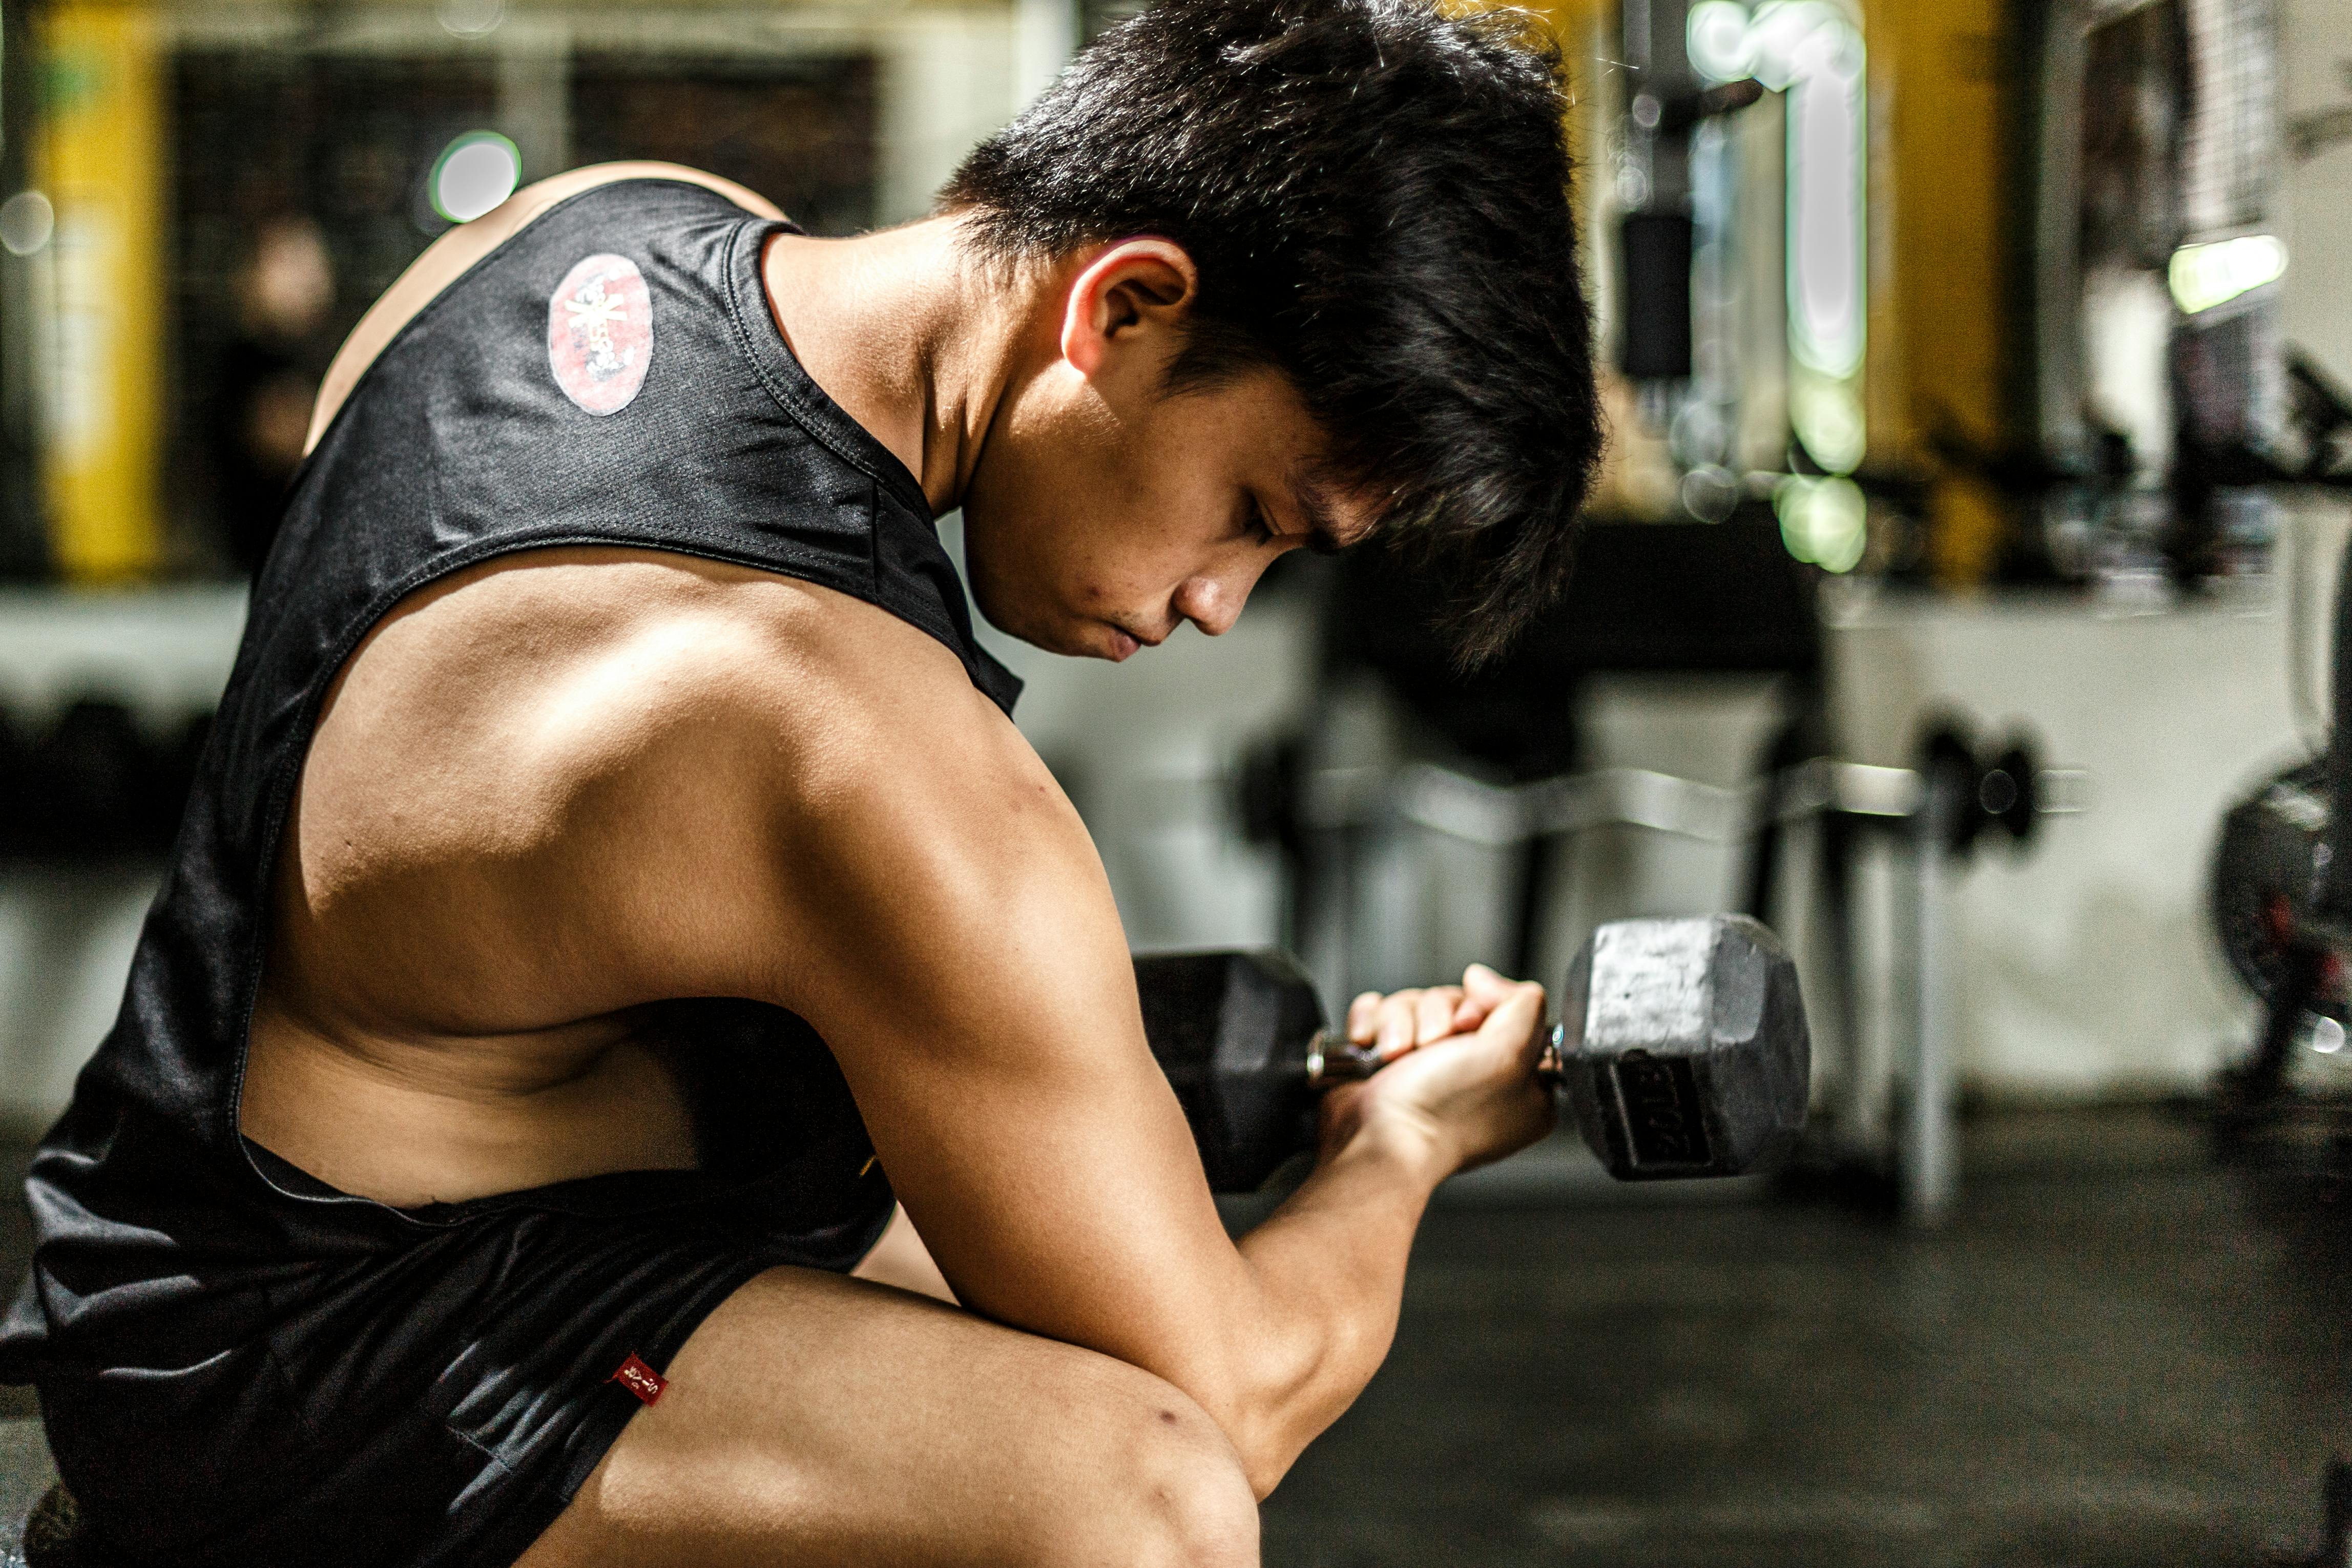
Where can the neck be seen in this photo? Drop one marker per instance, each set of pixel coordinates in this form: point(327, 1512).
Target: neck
point(914, 341)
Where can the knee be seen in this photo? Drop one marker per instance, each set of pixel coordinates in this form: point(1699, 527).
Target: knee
point(1188, 1502)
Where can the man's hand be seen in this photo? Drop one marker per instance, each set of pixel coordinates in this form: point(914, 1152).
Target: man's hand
point(1462, 1070)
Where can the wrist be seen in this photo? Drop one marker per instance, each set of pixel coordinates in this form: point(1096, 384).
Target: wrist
point(1412, 1143)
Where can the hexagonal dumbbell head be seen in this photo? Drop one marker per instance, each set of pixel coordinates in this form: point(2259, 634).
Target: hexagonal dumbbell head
point(1684, 1049)
point(1233, 1031)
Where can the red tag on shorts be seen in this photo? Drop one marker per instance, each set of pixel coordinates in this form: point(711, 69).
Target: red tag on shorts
point(640, 1379)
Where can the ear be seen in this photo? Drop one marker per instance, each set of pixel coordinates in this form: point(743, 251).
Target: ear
point(1129, 292)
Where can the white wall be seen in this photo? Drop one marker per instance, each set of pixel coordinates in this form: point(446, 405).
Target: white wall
point(949, 78)
point(1146, 749)
point(2085, 967)
point(2088, 967)
point(2316, 200)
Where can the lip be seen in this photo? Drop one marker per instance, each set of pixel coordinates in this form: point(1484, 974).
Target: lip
point(1123, 646)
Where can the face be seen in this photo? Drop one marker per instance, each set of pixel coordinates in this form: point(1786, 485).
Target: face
point(1104, 512)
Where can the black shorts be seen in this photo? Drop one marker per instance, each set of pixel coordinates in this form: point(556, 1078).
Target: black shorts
point(432, 1406)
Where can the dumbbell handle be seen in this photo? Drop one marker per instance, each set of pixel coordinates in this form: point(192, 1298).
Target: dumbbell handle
point(1332, 1058)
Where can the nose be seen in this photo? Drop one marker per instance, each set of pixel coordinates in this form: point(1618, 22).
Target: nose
point(1213, 601)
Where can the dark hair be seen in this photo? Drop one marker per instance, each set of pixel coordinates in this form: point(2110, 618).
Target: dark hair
point(1376, 197)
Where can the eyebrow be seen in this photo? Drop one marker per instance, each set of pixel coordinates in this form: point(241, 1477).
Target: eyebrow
point(1322, 526)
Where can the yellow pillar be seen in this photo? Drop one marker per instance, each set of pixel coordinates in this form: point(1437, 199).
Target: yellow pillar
point(101, 160)
point(1943, 359)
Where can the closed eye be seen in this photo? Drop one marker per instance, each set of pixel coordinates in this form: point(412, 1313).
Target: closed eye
point(1260, 529)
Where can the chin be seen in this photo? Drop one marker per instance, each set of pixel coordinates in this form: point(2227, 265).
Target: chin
point(1042, 625)
point(1005, 617)
point(1081, 640)
point(1088, 640)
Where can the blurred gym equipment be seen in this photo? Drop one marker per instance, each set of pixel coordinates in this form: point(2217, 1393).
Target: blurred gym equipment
point(1496, 764)
point(2336, 1520)
point(94, 784)
point(2282, 890)
point(1682, 1050)
point(26, 1477)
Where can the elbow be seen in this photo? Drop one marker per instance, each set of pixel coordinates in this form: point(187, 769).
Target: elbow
point(1263, 1447)
point(1265, 1469)
point(1281, 1403)
point(1280, 1384)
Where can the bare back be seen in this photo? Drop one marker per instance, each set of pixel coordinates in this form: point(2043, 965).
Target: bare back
point(532, 790)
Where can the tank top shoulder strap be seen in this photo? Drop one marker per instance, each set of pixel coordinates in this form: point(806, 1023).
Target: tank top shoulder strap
point(611, 374)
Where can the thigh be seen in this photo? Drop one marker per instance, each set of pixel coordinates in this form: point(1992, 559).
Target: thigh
point(813, 1419)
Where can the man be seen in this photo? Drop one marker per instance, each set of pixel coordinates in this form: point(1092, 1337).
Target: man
point(614, 878)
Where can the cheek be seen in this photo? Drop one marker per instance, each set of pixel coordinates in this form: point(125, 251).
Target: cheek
point(1106, 510)
point(1082, 472)
point(1113, 504)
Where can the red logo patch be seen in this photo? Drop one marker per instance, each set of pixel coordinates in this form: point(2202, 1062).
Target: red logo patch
point(640, 1379)
point(599, 333)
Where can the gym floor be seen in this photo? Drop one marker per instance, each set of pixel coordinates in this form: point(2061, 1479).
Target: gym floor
point(2116, 1354)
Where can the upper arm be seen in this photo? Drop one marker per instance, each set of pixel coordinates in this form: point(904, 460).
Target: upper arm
point(447, 258)
point(961, 953)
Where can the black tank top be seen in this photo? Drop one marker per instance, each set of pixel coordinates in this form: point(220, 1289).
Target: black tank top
point(610, 375)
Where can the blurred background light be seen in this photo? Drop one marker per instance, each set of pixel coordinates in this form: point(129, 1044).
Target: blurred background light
point(1828, 420)
point(1717, 39)
point(1808, 50)
point(1779, 34)
point(472, 18)
point(27, 222)
point(1826, 111)
point(2204, 276)
point(1710, 492)
point(1823, 521)
point(474, 175)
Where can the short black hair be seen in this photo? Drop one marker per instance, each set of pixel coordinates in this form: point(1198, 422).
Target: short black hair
point(1376, 195)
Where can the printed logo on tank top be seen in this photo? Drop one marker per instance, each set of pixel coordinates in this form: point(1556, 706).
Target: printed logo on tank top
point(599, 333)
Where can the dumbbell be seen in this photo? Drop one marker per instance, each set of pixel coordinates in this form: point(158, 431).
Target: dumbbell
point(1986, 791)
point(1682, 1048)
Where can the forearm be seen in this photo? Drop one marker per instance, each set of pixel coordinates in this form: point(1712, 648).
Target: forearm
point(1329, 1269)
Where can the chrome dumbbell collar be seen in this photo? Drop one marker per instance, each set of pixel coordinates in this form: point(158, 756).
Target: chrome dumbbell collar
point(1332, 1058)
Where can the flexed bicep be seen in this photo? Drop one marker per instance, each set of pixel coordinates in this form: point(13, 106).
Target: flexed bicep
point(964, 960)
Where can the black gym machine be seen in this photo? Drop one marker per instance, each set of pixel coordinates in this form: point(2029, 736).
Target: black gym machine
point(2280, 892)
point(2282, 885)
point(93, 783)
